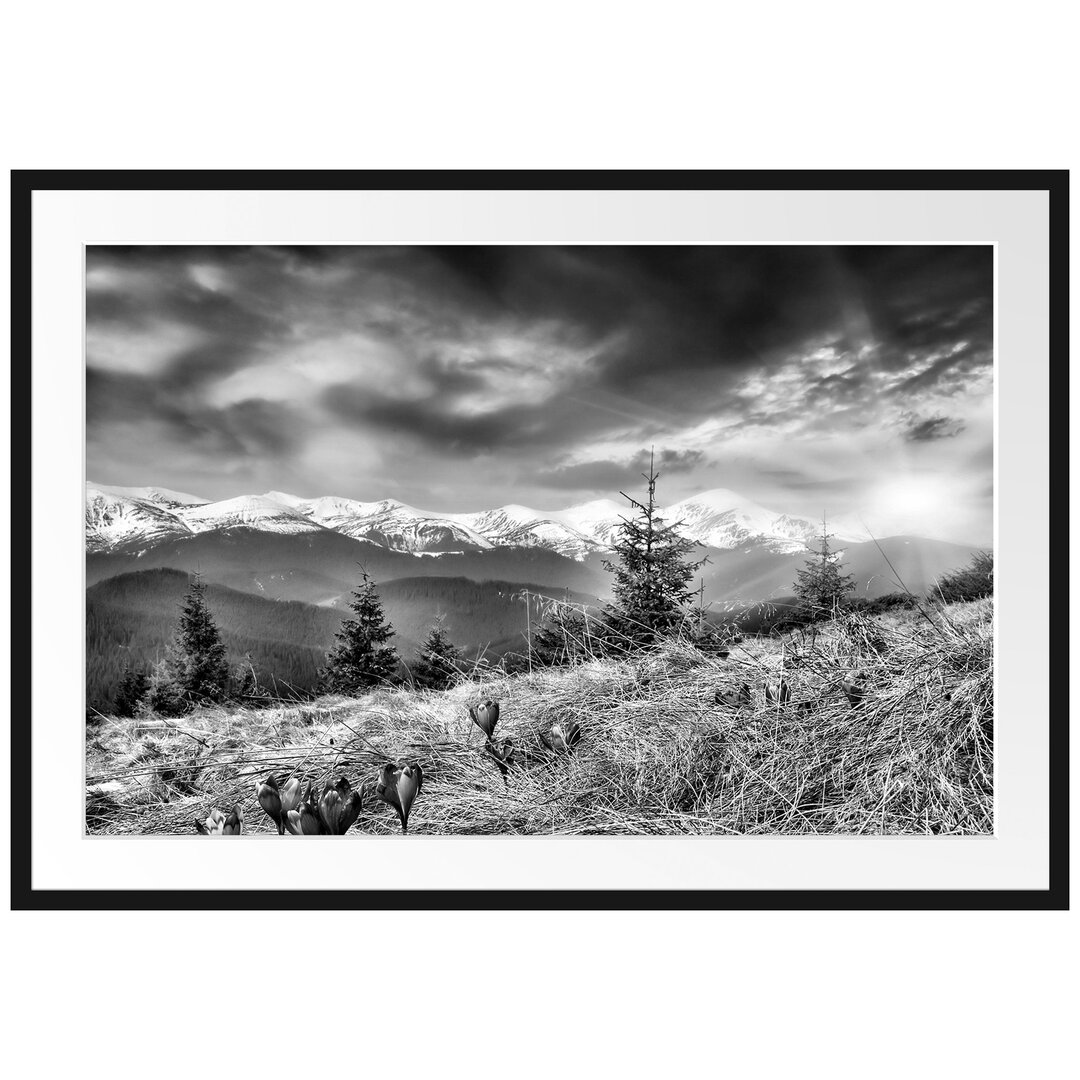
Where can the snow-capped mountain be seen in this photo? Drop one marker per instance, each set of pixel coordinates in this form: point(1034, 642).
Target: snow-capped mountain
point(404, 528)
point(724, 519)
point(518, 526)
point(114, 519)
point(387, 522)
point(599, 520)
point(170, 500)
point(251, 511)
point(720, 519)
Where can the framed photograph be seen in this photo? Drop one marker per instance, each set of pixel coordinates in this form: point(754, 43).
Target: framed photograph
point(551, 540)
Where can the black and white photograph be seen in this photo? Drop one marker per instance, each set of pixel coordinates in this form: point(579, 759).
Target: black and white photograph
point(573, 540)
point(579, 496)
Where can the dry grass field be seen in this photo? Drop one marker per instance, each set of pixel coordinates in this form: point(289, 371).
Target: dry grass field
point(658, 753)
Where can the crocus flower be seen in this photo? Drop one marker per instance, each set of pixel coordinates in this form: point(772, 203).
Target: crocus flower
point(854, 688)
point(734, 699)
point(485, 716)
point(234, 823)
point(269, 796)
point(213, 826)
point(561, 738)
point(291, 796)
point(398, 785)
point(777, 693)
point(304, 821)
point(501, 753)
point(339, 807)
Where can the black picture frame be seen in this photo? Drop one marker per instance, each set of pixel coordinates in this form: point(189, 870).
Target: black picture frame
point(24, 183)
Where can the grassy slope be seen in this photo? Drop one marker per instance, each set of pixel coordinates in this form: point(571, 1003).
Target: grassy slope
point(657, 755)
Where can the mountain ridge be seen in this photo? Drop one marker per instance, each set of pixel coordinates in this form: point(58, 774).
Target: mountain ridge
point(121, 517)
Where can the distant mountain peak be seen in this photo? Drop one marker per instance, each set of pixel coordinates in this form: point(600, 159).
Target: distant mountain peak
point(251, 511)
point(291, 501)
point(158, 495)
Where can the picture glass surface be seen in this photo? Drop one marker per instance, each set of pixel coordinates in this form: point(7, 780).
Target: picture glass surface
point(573, 540)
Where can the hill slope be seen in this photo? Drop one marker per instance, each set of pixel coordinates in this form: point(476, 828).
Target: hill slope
point(256, 560)
point(130, 621)
point(322, 567)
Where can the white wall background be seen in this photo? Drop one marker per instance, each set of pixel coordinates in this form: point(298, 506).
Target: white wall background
point(571, 85)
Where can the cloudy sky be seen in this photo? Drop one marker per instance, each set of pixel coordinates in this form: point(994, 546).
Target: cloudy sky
point(852, 380)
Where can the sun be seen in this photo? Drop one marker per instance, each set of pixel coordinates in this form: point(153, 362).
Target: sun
point(917, 498)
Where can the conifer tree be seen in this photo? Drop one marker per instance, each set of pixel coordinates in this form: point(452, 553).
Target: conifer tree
point(561, 638)
point(652, 578)
point(197, 662)
point(246, 681)
point(132, 689)
point(163, 693)
point(820, 585)
point(439, 660)
point(361, 658)
point(973, 582)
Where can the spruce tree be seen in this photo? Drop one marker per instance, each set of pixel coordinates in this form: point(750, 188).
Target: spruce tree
point(970, 583)
point(652, 578)
point(820, 586)
point(164, 695)
point(246, 686)
point(361, 658)
point(197, 662)
point(561, 638)
point(439, 660)
point(132, 689)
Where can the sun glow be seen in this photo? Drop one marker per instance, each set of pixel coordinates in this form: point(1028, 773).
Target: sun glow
point(914, 500)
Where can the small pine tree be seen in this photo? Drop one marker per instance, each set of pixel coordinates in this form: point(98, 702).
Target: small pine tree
point(972, 582)
point(164, 695)
point(561, 638)
point(439, 661)
point(197, 661)
point(245, 679)
point(820, 586)
point(132, 689)
point(361, 658)
point(514, 663)
point(652, 577)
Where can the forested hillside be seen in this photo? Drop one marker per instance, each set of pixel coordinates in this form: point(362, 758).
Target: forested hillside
point(476, 614)
point(131, 618)
point(130, 621)
point(266, 562)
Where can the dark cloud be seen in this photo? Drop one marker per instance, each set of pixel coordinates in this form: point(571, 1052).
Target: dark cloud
point(936, 427)
point(245, 429)
point(947, 374)
point(440, 427)
point(799, 481)
point(698, 312)
point(612, 475)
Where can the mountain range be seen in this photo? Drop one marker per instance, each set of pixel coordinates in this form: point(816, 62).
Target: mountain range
point(128, 519)
point(286, 547)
